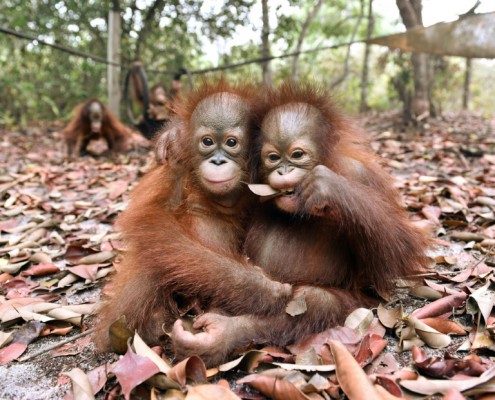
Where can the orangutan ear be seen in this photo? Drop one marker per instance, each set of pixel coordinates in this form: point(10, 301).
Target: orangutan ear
point(167, 145)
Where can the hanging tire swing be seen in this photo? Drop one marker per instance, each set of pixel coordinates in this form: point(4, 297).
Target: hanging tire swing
point(137, 99)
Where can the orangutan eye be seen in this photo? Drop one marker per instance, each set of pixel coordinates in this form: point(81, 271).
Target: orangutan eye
point(298, 154)
point(231, 142)
point(207, 141)
point(273, 157)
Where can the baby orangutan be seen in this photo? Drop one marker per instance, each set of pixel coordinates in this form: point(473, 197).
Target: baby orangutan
point(91, 121)
point(185, 225)
point(333, 228)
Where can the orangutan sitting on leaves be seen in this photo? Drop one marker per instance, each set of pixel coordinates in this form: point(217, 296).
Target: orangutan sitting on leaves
point(332, 226)
point(93, 120)
point(185, 225)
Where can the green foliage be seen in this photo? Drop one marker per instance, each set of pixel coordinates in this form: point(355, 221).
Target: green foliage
point(38, 82)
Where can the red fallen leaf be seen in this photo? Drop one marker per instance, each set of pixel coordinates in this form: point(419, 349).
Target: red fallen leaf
point(76, 251)
point(369, 348)
point(17, 282)
point(275, 352)
point(72, 349)
point(440, 288)
point(342, 334)
point(56, 328)
point(432, 213)
point(376, 328)
point(4, 277)
point(22, 337)
point(353, 380)
point(12, 352)
point(85, 271)
point(481, 269)
point(132, 370)
point(383, 364)
point(116, 188)
point(98, 377)
point(273, 387)
point(385, 395)
point(40, 269)
point(436, 368)
point(192, 367)
point(9, 224)
point(326, 355)
point(390, 385)
point(406, 374)
point(440, 306)
point(444, 326)
point(462, 276)
point(448, 367)
point(418, 354)
point(19, 288)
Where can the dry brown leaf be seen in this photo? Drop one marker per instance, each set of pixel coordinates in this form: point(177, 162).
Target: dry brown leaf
point(440, 306)
point(273, 387)
point(444, 326)
point(359, 320)
point(208, 392)
point(390, 317)
point(191, 368)
point(353, 380)
point(262, 190)
point(430, 336)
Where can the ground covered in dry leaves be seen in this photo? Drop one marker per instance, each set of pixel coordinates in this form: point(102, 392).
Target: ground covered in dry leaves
point(57, 245)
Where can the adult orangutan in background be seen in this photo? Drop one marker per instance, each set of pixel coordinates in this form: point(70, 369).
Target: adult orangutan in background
point(334, 227)
point(185, 225)
point(93, 120)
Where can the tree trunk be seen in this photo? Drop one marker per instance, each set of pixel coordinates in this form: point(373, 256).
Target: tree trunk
point(265, 44)
point(467, 83)
point(302, 35)
point(148, 20)
point(345, 70)
point(113, 56)
point(410, 11)
point(364, 76)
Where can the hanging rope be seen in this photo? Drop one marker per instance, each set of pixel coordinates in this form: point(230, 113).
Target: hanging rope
point(189, 73)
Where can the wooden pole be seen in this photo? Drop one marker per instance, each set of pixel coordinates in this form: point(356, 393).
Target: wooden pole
point(467, 84)
point(113, 54)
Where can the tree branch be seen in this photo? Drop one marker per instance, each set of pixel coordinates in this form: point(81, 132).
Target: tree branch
point(146, 26)
point(304, 31)
point(345, 71)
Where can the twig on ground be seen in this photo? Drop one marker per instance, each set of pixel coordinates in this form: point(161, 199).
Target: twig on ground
point(56, 345)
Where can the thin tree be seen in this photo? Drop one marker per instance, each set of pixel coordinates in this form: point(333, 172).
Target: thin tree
point(302, 35)
point(345, 70)
point(467, 84)
point(469, 65)
point(113, 72)
point(411, 14)
point(265, 43)
point(157, 6)
point(365, 73)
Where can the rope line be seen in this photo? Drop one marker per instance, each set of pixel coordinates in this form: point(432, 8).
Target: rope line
point(195, 72)
point(58, 47)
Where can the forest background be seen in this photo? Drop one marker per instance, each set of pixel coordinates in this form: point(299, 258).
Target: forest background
point(41, 83)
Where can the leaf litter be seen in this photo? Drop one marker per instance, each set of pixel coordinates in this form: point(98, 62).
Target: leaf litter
point(57, 245)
